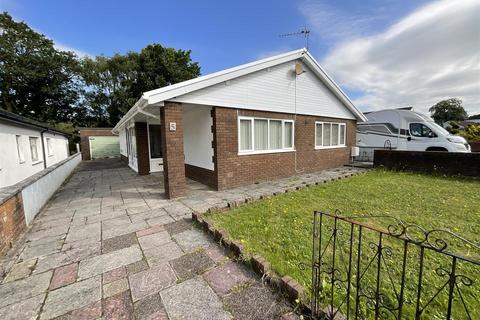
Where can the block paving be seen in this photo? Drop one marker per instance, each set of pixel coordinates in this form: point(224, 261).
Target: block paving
point(109, 245)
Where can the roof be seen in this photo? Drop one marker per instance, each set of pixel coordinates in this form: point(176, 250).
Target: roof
point(400, 108)
point(26, 122)
point(158, 96)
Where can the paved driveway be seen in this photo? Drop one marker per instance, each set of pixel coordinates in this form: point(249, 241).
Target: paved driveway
point(109, 245)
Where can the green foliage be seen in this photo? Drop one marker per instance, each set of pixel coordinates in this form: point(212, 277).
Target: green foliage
point(471, 132)
point(279, 228)
point(36, 80)
point(448, 110)
point(116, 83)
point(72, 130)
point(43, 83)
point(454, 127)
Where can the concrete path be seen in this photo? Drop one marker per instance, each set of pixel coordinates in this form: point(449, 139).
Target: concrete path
point(110, 246)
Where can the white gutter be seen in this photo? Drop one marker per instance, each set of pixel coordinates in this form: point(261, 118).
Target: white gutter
point(139, 105)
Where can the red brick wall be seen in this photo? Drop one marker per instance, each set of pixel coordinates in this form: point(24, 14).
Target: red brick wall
point(85, 142)
point(12, 222)
point(172, 149)
point(201, 175)
point(309, 159)
point(143, 152)
point(233, 170)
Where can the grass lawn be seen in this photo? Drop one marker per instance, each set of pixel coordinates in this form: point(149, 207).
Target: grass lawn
point(279, 228)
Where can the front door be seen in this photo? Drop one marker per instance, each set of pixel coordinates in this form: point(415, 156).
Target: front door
point(132, 147)
point(155, 145)
point(422, 137)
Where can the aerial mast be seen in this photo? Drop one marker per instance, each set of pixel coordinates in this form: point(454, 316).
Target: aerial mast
point(304, 32)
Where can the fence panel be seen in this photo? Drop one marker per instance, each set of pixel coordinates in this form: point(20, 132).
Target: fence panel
point(402, 271)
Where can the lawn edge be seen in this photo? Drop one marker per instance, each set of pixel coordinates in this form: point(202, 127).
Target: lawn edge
point(288, 286)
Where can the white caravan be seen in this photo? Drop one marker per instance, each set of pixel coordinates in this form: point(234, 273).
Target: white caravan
point(405, 130)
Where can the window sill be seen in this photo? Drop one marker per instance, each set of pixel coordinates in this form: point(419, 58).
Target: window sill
point(247, 153)
point(330, 147)
point(37, 162)
point(50, 155)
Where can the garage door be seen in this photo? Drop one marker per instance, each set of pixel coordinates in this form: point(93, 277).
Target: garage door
point(104, 147)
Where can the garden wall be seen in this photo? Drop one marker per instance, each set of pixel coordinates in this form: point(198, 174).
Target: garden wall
point(450, 163)
point(20, 203)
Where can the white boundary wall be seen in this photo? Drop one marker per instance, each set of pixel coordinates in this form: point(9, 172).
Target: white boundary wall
point(36, 194)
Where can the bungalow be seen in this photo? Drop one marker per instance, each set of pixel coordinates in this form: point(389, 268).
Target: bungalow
point(271, 118)
point(27, 147)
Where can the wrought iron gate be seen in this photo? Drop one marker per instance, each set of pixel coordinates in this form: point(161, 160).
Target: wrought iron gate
point(402, 271)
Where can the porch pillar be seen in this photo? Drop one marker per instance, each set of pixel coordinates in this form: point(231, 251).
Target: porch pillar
point(171, 119)
point(143, 153)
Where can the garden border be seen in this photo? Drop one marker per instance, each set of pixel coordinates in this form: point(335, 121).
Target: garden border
point(261, 266)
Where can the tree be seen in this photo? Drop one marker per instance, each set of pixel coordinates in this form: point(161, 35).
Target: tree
point(116, 83)
point(471, 133)
point(448, 110)
point(36, 80)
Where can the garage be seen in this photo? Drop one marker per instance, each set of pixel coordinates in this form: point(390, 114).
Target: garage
point(98, 143)
point(104, 147)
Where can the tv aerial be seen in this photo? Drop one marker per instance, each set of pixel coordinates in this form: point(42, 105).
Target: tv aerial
point(304, 32)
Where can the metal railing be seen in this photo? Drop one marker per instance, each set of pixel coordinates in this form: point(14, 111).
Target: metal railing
point(402, 271)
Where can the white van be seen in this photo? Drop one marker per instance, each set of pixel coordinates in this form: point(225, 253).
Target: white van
point(405, 130)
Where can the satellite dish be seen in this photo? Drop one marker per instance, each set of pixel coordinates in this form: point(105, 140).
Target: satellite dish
point(298, 68)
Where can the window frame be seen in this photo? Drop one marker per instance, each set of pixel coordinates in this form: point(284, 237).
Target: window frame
point(150, 141)
point(49, 147)
point(37, 139)
point(422, 136)
point(20, 153)
point(331, 123)
point(252, 142)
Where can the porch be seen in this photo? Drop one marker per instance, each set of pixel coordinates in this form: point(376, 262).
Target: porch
point(173, 142)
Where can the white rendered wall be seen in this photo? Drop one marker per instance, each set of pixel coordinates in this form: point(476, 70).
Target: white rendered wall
point(36, 194)
point(12, 170)
point(197, 136)
point(59, 145)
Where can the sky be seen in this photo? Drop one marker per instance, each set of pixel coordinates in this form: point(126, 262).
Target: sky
point(383, 53)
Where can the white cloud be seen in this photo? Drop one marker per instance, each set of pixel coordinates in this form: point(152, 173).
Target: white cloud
point(79, 53)
point(429, 55)
point(57, 45)
point(332, 24)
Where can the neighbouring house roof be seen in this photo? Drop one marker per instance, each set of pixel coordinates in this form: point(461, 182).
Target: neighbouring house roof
point(26, 122)
point(158, 96)
point(400, 108)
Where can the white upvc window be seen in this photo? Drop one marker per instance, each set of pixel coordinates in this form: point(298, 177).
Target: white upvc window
point(264, 135)
point(330, 135)
point(34, 145)
point(20, 154)
point(49, 147)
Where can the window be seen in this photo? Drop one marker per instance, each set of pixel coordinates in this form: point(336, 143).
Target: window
point(275, 134)
point(49, 147)
point(329, 135)
point(34, 148)
point(257, 135)
point(421, 130)
point(154, 134)
point(20, 154)
point(261, 134)
point(288, 134)
point(246, 134)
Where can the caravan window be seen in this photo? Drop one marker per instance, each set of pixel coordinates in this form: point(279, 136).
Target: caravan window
point(421, 130)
